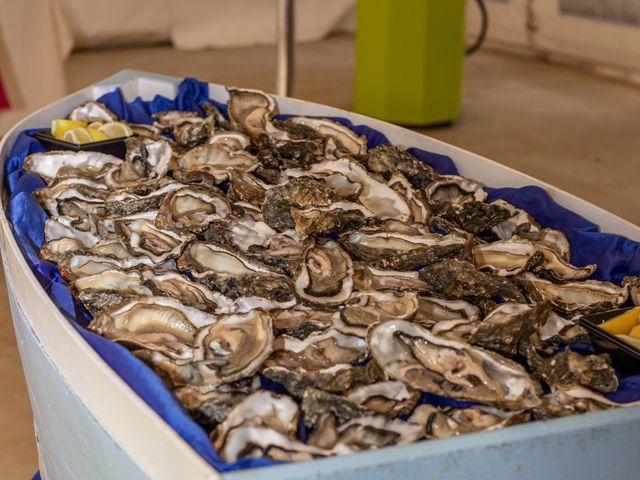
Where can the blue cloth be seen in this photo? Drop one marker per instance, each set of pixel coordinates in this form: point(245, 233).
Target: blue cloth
point(615, 255)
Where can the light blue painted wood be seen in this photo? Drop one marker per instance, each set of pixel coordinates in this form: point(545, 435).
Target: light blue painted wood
point(71, 444)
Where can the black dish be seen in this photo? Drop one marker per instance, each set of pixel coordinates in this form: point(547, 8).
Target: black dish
point(113, 146)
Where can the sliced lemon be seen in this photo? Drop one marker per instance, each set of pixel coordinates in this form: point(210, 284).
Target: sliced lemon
point(95, 125)
point(61, 126)
point(97, 135)
point(116, 129)
point(78, 136)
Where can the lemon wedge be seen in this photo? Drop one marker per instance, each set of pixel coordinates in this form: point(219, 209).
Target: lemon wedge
point(97, 135)
point(78, 136)
point(61, 126)
point(116, 130)
point(95, 125)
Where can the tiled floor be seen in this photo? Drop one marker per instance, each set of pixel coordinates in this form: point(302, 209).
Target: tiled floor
point(564, 126)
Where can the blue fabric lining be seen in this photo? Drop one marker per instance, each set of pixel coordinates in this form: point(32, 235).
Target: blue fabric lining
point(616, 257)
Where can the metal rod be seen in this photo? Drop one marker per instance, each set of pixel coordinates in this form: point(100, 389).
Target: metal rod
point(285, 37)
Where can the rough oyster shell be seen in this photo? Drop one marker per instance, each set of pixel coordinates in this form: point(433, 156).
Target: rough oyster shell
point(146, 162)
point(454, 189)
point(191, 209)
point(346, 140)
point(391, 398)
point(387, 160)
point(209, 163)
point(92, 111)
point(125, 202)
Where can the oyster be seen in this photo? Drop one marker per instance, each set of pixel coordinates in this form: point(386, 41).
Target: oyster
point(370, 278)
point(66, 228)
point(146, 162)
point(338, 378)
point(299, 193)
point(505, 327)
point(375, 195)
point(325, 274)
point(144, 238)
point(264, 409)
point(455, 190)
point(209, 163)
point(506, 257)
point(257, 442)
point(74, 198)
point(209, 406)
point(387, 160)
point(317, 351)
point(109, 288)
point(83, 265)
point(192, 294)
point(414, 198)
point(159, 324)
point(244, 187)
point(369, 307)
point(411, 354)
point(432, 311)
point(251, 111)
point(191, 209)
point(54, 165)
point(397, 251)
point(92, 111)
point(337, 217)
point(449, 422)
point(317, 404)
point(125, 202)
point(518, 221)
point(633, 283)
point(573, 399)
point(473, 216)
point(300, 321)
point(569, 368)
point(459, 279)
point(375, 431)
point(391, 398)
point(346, 140)
point(230, 140)
point(252, 284)
point(585, 296)
point(231, 349)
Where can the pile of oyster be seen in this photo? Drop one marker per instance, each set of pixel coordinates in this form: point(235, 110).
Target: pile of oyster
point(234, 254)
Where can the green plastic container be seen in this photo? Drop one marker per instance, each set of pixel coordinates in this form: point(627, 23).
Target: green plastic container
point(409, 60)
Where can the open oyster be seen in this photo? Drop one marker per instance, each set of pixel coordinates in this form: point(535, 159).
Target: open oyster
point(108, 289)
point(391, 398)
point(412, 354)
point(54, 165)
point(325, 274)
point(397, 251)
point(92, 111)
point(455, 190)
point(209, 163)
point(191, 209)
point(389, 159)
point(146, 162)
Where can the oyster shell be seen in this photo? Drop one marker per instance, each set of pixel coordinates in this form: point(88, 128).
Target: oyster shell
point(125, 202)
point(244, 187)
point(447, 422)
point(574, 399)
point(108, 289)
point(324, 275)
point(191, 209)
point(505, 327)
point(375, 431)
point(251, 111)
point(568, 368)
point(432, 310)
point(144, 238)
point(92, 111)
point(414, 198)
point(83, 265)
point(397, 251)
point(57, 165)
point(209, 163)
point(369, 307)
point(387, 160)
point(317, 351)
point(474, 217)
point(299, 193)
point(146, 162)
point(65, 228)
point(412, 354)
point(346, 140)
point(230, 140)
point(519, 221)
point(585, 296)
point(391, 398)
point(506, 257)
point(74, 198)
point(337, 217)
point(232, 348)
point(300, 321)
point(370, 278)
point(454, 189)
point(262, 408)
point(192, 294)
point(317, 404)
point(459, 279)
point(375, 195)
point(159, 324)
point(633, 283)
